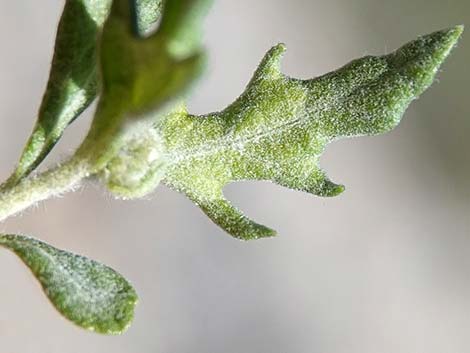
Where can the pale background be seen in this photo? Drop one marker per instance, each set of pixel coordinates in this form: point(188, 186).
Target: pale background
point(384, 268)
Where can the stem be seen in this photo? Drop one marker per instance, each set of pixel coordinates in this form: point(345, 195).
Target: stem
point(102, 142)
point(55, 181)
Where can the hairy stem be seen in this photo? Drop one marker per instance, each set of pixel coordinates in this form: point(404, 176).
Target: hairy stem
point(53, 182)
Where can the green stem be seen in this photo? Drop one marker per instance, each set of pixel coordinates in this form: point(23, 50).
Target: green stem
point(53, 182)
point(102, 142)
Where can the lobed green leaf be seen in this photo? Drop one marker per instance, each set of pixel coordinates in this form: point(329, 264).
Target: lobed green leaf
point(279, 127)
point(86, 292)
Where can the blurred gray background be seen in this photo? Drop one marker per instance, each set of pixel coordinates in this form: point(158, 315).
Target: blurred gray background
point(383, 268)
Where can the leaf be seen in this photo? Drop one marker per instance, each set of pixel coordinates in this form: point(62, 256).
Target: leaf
point(142, 77)
point(141, 74)
point(278, 128)
point(72, 84)
point(86, 292)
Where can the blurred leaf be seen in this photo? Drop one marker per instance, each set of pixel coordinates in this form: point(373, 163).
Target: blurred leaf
point(72, 84)
point(142, 77)
point(86, 292)
point(278, 128)
point(140, 74)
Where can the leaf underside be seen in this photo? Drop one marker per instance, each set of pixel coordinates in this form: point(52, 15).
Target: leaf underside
point(86, 292)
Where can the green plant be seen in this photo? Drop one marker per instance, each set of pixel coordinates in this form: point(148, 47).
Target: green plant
point(142, 134)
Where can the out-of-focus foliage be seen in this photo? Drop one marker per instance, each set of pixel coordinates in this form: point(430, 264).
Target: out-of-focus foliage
point(73, 81)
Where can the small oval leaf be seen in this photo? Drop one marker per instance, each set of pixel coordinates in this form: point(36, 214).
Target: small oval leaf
point(86, 292)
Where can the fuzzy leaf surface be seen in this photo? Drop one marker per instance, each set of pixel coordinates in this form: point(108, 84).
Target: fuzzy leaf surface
point(279, 127)
point(86, 292)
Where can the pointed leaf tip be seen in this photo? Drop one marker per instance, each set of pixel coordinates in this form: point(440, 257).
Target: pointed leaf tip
point(86, 292)
point(427, 53)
